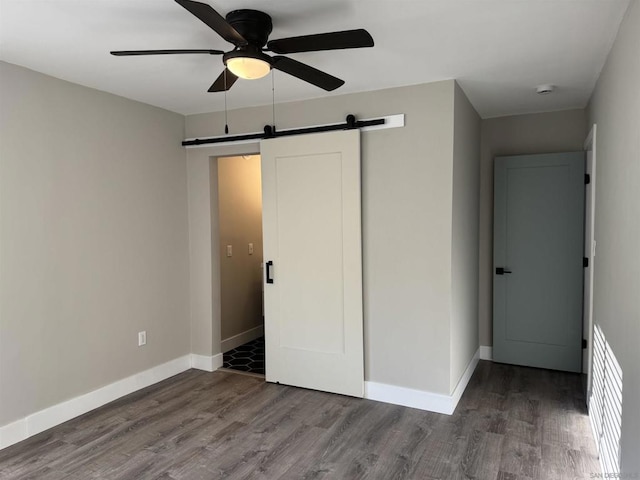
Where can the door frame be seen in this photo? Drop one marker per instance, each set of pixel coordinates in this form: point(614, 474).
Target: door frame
point(204, 240)
point(248, 149)
point(589, 239)
point(235, 340)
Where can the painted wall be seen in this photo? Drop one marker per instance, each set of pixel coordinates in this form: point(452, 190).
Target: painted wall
point(407, 225)
point(615, 108)
point(93, 240)
point(563, 131)
point(240, 223)
point(464, 236)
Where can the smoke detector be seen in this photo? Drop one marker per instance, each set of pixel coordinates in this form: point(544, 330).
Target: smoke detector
point(544, 89)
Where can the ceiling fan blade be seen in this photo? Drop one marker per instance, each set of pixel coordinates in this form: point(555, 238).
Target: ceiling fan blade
point(214, 20)
point(123, 53)
point(322, 41)
point(307, 73)
point(219, 84)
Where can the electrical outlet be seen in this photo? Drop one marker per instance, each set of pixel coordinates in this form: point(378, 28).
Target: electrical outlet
point(142, 338)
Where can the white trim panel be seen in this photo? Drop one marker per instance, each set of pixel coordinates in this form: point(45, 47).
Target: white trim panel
point(390, 121)
point(486, 352)
point(206, 363)
point(423, 400)
point(241, 338)
point(60, 413)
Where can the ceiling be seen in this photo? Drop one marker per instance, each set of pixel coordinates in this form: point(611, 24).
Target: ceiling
point(498, 50)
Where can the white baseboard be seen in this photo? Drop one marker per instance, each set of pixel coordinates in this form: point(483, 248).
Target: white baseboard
point(486, 352)
point(407, 397)
point(423, 400)
point(62, 412)
point(206, 363)
point(50, 417)
point(464, 380)
point(13, 433)
point(242, 338)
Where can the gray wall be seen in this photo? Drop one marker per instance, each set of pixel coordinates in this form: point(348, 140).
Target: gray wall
point(464, 236)
point(615, 108)
point(240, 223)
point(93, 246)
point(563, 131)
point(407, 179)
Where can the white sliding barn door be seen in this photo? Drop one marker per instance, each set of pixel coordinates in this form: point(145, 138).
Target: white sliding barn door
point(313, 253)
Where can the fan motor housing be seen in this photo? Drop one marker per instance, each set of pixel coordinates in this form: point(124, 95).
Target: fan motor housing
point(253, 25)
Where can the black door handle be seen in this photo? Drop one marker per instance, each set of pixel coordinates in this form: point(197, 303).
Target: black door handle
point(502, 271)
point(268, 272)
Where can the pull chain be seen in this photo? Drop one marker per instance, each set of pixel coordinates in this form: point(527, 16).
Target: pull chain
point(226, 124)
point(273, 99)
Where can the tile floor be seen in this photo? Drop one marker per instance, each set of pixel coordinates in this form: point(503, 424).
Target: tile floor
point(247, 358)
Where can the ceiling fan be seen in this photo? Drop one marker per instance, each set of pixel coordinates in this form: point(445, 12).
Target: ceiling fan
point(248, 31)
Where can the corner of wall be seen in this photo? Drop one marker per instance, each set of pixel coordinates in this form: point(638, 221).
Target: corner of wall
point(464, 338)
point(200, 273)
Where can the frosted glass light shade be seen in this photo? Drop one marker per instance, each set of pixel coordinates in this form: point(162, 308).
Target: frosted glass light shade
point(248, 68)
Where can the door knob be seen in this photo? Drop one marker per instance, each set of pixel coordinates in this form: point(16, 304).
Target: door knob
point(502, 271)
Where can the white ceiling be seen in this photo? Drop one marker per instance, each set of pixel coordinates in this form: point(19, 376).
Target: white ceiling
point(499, 50)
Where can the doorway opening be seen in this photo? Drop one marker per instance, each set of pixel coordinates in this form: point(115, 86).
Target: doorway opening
point(241, 263)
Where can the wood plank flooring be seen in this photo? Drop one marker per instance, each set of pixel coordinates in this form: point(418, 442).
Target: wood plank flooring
point(512, 423)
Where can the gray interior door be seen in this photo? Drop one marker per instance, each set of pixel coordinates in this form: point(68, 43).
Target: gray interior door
point(537, 256)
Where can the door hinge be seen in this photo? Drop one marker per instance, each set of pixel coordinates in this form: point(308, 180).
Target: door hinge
point(585, 262)
point(584, 343)
point(587, 179)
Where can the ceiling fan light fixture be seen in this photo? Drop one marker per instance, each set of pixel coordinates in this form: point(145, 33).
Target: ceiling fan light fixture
point(248, 68)
point(248, 64)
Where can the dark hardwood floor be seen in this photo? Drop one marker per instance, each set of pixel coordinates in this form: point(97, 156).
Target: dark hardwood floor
point(512, 423)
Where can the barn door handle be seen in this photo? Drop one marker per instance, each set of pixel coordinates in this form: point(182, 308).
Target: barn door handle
point(268, 272)
point(502, 271)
